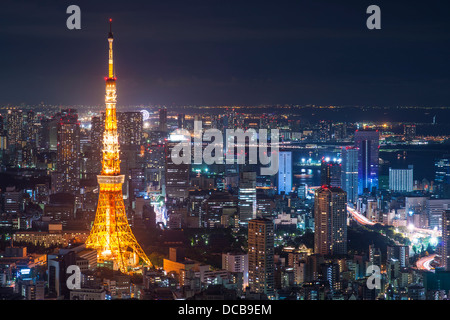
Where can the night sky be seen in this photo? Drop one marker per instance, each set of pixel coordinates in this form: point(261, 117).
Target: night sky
point(227, 52)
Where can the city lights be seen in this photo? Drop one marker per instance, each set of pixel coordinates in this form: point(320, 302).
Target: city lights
point(241, 160)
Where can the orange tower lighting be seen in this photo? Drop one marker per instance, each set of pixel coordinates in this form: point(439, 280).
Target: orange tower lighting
point(111, 234)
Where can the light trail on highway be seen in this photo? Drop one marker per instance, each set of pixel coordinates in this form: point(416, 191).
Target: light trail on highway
point(425, 263)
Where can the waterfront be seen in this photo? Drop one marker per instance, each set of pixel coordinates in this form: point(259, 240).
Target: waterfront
point(422, 157)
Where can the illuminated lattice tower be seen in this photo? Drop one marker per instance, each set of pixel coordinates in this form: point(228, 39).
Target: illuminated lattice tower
point(111, 234)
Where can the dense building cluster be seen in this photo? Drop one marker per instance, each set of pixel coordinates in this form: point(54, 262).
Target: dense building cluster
point(335, 207)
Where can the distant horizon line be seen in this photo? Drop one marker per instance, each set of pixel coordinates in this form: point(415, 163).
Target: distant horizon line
point(202, 106)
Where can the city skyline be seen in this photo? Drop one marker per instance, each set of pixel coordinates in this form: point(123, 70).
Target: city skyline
point(200, 198)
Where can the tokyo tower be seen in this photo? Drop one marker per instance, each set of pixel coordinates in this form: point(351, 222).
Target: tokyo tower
point(111, 234)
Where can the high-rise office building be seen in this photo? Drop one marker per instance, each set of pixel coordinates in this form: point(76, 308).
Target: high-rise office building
point(330, 173)
point(446, 240)
point(33, 290)
point(181, 121)
point(400, 253)
point(367, 141)
point(302, 190)
point(442, 170)
point(97, 128)
point(14, 129)
point(53, 134)
point(13, 201)
point(285, 172)
point(130, 126)
point(349, 179)
point(163, 119)
point(401, 180)
point(2, 126)
point(155, 164)
point(14, 125)
point(49, 133)
point(130, 130)
point(218, 209)
point(435, 208)
point(324, 132)
point(176, 175)
point(374, 255)
point(330, 219)
point(339, 131)
point(265, 204)
point(442, 177)
point(31, 130)
point(236, 262)
point(3, 147)
point(415, 211)
point(67, 176)
point(137, 184)
point(247, 197)
point(261, 256)
point(57, 273)
point(331, 274)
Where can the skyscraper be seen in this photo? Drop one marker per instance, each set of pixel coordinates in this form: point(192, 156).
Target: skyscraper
point(401, 180)
point(285, 172)
point(176, 175)
point(14, 126)
point(163, 120)
point(49, 133)
point(331, 274)
point(57, 273)
point(367, 142)
point(330, 173)
point(442, 176)
point(261, 256)
point(2, 128)
point(67, 176)
point(349, 179)
point(97, 128)
point(130, 126)
point(32, 125)
point(400, 253)
point(442, 170)
point(236, 262)
point(13, 201)
point(330, 219)
point(446, 240)
point(247, 197)
point(435, 209)
point(374, 255)
point(339, 131)
point(181, 121)
point(324, 130)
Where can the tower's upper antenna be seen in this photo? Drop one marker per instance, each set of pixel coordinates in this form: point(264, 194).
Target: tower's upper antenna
point(110, 61)
point(110, 29)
